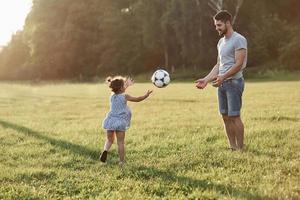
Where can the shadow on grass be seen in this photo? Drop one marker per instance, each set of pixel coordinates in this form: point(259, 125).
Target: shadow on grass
point(65, 145)
point(187, 184)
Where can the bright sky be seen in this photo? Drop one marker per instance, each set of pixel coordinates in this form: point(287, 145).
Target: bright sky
point(12, 17)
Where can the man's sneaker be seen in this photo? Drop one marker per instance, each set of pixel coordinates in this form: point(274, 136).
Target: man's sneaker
point(103, 156)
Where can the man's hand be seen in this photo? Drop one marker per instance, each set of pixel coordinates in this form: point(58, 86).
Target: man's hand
point(218, 81)
point(201, 83)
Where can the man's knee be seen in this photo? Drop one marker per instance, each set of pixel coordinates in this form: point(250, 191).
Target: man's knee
point(226, 118)
point(235, 119)
point(231, 119)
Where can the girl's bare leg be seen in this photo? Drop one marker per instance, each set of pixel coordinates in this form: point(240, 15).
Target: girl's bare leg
point(121, 145)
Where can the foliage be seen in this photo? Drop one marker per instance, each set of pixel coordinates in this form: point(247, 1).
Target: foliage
point(64, 39)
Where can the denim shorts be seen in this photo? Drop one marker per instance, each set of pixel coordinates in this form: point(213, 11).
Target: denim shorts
point(230, 96)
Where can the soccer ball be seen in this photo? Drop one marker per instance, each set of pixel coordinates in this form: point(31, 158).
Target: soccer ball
point(160, 78)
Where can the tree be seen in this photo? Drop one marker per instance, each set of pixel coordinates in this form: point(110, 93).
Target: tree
point(13, 58)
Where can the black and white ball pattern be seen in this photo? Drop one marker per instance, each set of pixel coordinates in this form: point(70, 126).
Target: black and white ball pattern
point(160, 78)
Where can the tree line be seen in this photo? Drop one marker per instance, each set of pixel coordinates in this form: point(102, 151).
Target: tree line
point(67, 39)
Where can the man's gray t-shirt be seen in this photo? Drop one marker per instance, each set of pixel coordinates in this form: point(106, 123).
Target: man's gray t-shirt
point(226, 52)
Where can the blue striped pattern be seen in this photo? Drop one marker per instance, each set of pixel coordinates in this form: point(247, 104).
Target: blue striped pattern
point(119, 115)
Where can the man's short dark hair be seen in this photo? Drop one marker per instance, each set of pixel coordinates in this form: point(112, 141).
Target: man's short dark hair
point(223, 16)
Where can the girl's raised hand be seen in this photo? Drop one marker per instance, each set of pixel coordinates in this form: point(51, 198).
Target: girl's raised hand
point(129, 82)
point(148, 93)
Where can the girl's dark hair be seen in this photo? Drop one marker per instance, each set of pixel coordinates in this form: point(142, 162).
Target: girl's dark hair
point(223, 16)
point(115, 83)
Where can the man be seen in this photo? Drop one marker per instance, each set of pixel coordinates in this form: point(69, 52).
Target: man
point(227, 75)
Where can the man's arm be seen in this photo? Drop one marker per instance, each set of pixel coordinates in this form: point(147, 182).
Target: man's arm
point(240, 56)
point(201, 83)
point(213, 73)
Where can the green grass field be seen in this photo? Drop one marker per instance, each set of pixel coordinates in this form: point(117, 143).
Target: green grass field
point(51, 137)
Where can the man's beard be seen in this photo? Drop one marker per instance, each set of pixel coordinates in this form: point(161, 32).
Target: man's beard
point(222, 33)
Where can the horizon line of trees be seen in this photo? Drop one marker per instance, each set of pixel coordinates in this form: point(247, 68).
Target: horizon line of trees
point(65, 39)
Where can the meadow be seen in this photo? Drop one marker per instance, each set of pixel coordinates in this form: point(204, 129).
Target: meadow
point(176, 148)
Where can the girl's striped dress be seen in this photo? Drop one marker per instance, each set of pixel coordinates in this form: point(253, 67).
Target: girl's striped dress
point(119, 116)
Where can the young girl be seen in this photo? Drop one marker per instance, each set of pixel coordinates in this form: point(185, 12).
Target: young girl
point(119, 116)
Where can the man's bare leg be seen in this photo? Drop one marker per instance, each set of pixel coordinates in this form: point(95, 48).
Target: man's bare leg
point(230, 131)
